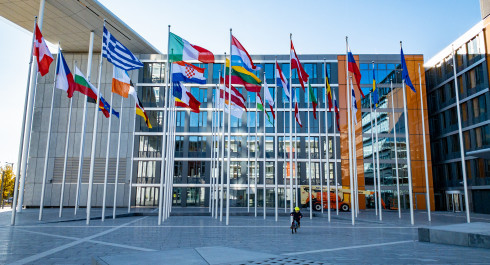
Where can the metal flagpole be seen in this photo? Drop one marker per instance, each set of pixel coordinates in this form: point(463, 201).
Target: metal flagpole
point(285, 169)
point(396, 151)
point(30, 113)
point(222, 188)
point(218, 162)
point(46, 154)
point(296, 159)
point(276, 189)
point(104, 194)
point(116, 179)
point(354, 153)
point(380, 206)
point(309, 152)
point(256, 151)
point(372, 153)
point(335, 162)
point(320, 149)
point(94, 136)
point(461, 144)
point(132, 160)
point(21, 141)
point(427, 196)
point(170, 153)
point(164, 132)
point(327, 151)
point(229, 143)
point(409, 159)
point(66, 152)
point(211, 204)
point(248, 157)
point(84, 123)
point(263, 169)
point(348, 97)
point(290, 132)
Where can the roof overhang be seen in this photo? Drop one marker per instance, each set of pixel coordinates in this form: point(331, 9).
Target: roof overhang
point(71, 21)
point(482, 153)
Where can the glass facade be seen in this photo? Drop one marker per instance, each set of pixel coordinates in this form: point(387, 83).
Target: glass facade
point(472, 83)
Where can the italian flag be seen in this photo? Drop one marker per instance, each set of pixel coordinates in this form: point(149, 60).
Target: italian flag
point(182, 50)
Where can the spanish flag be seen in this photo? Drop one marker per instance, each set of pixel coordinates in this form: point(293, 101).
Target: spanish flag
point(140, 111)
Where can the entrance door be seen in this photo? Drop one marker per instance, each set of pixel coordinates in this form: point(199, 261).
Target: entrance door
point(454, 201)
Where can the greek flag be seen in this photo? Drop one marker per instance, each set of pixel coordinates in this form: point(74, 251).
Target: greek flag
point(117, 54)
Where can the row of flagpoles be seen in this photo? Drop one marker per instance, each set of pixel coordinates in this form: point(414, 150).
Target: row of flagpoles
point(238, 70)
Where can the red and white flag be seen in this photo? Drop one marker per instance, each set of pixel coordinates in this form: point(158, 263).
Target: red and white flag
point(296, 64)
point(42, 53)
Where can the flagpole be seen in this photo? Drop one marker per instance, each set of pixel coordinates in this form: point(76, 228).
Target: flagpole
point(104, 193)
point(335, 161)
point(164, 132)
point(409, 159)
point(229, 142)
point(427, 196)
point(223, 143)
point(219, 164)
point(349, 106)
point(256, 151)
point(94, 136)
point(116, 179)
point(354, 153)
point(263, 169)
point(296, 157)
point(170, 152)
point(327, 151)
point(132, 159)
point(248, 157)
point(84, 122)
point(380, 206)
point(211, 204)
point(290, 131)
point(66, 153)
point(320, 148)
point(396, 151)
point(461, 143)
point(276, 203)
point(30, 113)
point(285, 168)
point(309, 151)
point(46, 154)
point(373, 153)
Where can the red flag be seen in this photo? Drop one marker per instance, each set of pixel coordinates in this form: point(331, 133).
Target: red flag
point(42, 53)
point(296, 64)
point(296, 115)
point(352, 67)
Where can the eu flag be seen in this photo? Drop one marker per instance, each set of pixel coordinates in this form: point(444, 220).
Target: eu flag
point(375, 91)
point(405, 75)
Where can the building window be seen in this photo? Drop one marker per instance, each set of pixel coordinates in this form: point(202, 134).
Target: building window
point(197, 144)
point(196, 172)
point(464, 111)
point(198, 120)
point(151, 96)
point(179, 144)
point(476, 108)
point(150, 146)
point(153, 73)
point(180, 119)
point(217, 70)
point(479, 138)
point(467, 142)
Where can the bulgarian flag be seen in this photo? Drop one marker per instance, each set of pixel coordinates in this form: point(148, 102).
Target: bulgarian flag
point(83, 86)
point(182, 50)
point(42, 53)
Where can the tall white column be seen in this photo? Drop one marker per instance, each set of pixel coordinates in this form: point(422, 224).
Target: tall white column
point(396, 149)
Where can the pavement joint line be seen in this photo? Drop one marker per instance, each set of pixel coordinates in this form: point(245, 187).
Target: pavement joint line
point(91, 241)
point(351, 247)
point(35, 257)
point(219, 226)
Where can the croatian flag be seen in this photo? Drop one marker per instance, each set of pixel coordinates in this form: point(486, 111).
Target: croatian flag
point(42, 53)
point(187, 73)
point(352, 67)
point(282, 81)
point(64, 78)
point(240, 56)
point(296, 64)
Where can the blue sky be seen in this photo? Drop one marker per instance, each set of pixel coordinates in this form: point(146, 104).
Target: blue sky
point(263, 27)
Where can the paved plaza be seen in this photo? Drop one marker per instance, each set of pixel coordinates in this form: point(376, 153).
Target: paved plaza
point(70, 241)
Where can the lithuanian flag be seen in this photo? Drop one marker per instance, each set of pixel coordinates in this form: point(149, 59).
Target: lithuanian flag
point(240, 76)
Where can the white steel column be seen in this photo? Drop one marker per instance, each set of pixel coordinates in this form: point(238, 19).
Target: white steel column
point(373, 153)
point(427, 196)
point(396, 150)
point(349, 106)
point(309, 152)
point(104, 194)
point(275, 146)
point(116, 179)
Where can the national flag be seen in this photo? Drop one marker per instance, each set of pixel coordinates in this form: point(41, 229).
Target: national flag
point(42, 53)
point(236, 99)
point(312, 99)
point(83, 86)
point(186, 99)
point(269, 99)
point(405, 75)
point(296, 115)
point(282, 81)
point(235, 91)
point(352, 67)
point(240, 56)
point(117, 54)
point(354, 104)
point(187, 73)
point(236, 111)
point(64, 78)
point(296, 64)
point(182, 50)
point(120, 82)
point(104, 107)
point(260, 107)
point(140, 111)
point(329, 91)
point(337, 114)
point(375, 91)
point(241, 76)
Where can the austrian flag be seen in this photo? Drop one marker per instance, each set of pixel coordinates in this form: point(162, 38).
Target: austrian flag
point(42, 53)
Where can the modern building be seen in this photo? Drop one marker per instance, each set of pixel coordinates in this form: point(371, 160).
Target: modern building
point(193, 131)
point(471, 70)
